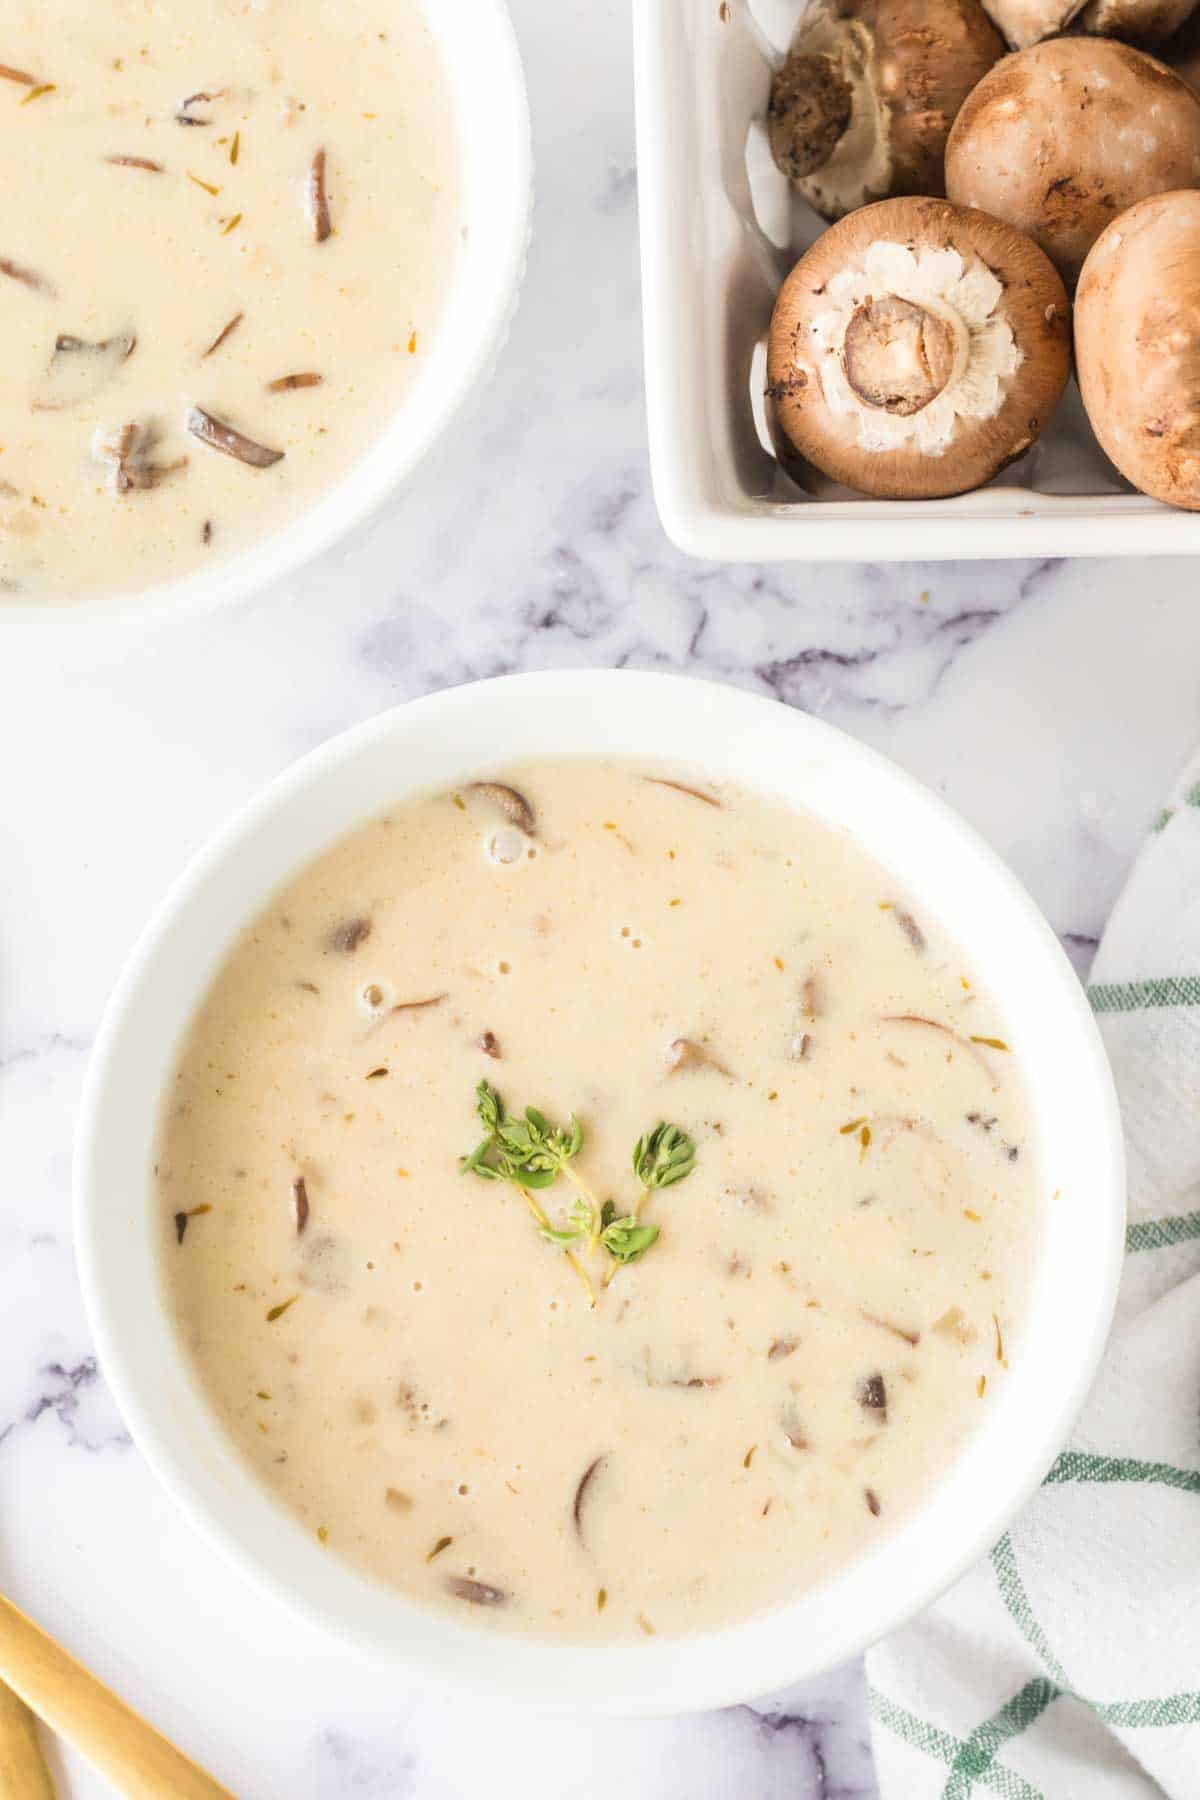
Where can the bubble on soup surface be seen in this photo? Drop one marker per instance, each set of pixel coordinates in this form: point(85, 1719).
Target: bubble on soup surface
point(374, 997)
point(506, 846)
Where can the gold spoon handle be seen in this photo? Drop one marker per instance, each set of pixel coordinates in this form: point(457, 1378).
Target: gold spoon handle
point(130, 1754)
point(23, 1771)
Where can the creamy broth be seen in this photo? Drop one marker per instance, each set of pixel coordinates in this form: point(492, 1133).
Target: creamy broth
point(242, 211)
point(419, 1376)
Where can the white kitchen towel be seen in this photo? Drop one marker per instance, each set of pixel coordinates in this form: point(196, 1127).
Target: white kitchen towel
point(1067, 1666)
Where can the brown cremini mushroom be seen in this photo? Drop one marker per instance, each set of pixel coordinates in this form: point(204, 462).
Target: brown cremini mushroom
point(1137, 345)
point(1061, 138)
point(1149, 22)
point(1183, 52)
point(863, 104)
point(1026, 22)
point(916, 349)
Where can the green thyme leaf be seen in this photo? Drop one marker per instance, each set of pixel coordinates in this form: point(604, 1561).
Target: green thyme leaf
point(626, 1240)
point(489, 1105)
point(516, 1136)
point(665, 1155)
point(474, 1164)
point(561, 1238)
point(529, 1152)
point(527, 1177)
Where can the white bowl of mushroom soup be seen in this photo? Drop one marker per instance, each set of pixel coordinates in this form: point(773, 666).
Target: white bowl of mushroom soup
point(621, 1222)
point(345, 204)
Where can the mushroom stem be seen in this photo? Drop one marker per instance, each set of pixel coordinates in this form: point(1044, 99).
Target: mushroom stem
point(808, 114)
point(900, 356)
point(863, 103)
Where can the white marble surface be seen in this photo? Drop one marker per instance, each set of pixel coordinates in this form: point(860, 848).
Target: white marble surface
point(1051, 703)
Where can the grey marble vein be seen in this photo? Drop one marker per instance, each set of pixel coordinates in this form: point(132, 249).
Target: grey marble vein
point(75, 1397)
point(54, 1043)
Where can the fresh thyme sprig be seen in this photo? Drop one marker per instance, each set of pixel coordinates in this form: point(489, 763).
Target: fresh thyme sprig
point(531, 1153)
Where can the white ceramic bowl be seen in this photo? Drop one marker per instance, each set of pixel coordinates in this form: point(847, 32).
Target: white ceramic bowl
point(438, 742)
point(483, 68)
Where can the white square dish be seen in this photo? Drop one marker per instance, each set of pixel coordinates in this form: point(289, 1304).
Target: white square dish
point(719, 230)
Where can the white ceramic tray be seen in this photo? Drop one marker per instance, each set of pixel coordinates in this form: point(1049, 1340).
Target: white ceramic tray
point(719, 231)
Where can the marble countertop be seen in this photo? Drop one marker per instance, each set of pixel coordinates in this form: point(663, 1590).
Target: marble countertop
point(1051, 703)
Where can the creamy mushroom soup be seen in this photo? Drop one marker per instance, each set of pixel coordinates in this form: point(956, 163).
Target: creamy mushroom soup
point(227, 234)
point(697, 1329)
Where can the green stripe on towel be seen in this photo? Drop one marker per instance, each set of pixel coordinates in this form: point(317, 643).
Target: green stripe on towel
point(978, 1754)
point(1172, 1709)
point(1012, 1592)
point(945, 1748)
point(1075, 1465)
point(1165, 1710)
point(1160, 1234)
point(1191, 798)
point(1137, 996)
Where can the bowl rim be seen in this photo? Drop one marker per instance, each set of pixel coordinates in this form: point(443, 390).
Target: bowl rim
point(465, 341)
point(918, 1560)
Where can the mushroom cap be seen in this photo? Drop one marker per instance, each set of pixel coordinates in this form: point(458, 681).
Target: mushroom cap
point(1032, 302)
point(1060, 138)
point(1135, 21)
point(1183, 52)
point(864, 103)
point(928, 59)
point(1137, 345)
point(1026, 22)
